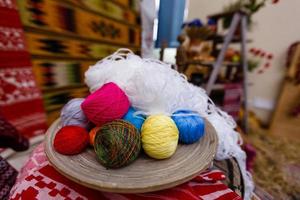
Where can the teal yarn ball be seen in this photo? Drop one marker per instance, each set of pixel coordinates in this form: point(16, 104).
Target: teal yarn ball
point(136, 120)
point(117, 144)
point(190, 124)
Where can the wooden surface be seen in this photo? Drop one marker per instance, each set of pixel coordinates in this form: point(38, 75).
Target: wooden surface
point(143, 175)
point(292, 69)
point(283, 124)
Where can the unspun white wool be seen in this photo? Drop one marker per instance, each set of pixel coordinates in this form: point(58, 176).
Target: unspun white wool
point(153, 87)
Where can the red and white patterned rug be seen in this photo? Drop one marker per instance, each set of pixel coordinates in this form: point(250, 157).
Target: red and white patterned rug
point(20, 98)
point(39, 180)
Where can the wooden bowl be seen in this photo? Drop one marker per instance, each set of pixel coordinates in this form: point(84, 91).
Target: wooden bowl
point(143, 175)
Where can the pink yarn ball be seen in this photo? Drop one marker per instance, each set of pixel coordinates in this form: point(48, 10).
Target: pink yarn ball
point(106, 104)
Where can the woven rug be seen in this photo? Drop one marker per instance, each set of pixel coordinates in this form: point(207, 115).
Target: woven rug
point(20, 99)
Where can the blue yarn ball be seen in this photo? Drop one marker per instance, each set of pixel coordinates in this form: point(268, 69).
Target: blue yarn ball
point(136, 120)
point(190, 124)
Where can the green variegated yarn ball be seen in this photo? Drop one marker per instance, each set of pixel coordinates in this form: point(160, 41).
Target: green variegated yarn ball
point(117, 144)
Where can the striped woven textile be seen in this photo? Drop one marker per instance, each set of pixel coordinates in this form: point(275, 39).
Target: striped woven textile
point(58, 17)
point(39, 180)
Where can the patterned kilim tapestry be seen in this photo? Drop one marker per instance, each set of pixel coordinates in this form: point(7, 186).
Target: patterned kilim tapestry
point(20, 99)
point(65, 37)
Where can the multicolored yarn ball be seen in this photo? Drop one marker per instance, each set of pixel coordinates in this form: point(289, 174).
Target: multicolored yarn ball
point(71, 114)
point(190, 124)
point(136, 120)
point(71, 140)
point(92, 135)
point(106, 104)
point(117, 144)
point(159, 136)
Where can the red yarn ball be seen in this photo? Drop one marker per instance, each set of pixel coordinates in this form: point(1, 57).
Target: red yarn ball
point(106, 104)
point(71, 140)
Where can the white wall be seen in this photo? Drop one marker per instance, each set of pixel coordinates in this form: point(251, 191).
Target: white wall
point(277, 27)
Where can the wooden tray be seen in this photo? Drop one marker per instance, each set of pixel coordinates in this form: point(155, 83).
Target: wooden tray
point(143, 175)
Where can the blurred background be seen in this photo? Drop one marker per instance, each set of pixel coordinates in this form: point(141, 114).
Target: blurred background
point(245, 53)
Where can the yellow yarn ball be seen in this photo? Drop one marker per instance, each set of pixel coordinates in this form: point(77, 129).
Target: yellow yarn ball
point(159, 136)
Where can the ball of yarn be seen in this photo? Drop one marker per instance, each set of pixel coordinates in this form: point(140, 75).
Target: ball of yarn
point(106, 104)
point(117, 144)
point(71, 114)
point(136, 120)
point(71, 140)
point(159, 136)
point(190, 124)
point(92, 135)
